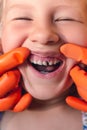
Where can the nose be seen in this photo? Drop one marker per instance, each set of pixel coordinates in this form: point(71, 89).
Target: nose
point(44, 35)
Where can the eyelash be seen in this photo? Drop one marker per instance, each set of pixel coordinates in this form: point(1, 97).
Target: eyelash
point(57, 20)
point(67, 19)
point(23, 18)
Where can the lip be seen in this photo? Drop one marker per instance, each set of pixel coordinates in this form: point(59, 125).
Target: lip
point(45, 54)
point(51, 74)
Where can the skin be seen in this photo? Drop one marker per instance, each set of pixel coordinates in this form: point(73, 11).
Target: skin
point(42, 35)
point(45, 30)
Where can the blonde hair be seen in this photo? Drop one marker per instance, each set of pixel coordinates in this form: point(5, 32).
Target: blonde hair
point(1, 8)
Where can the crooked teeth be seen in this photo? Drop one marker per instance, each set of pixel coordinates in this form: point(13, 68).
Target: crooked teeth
point(45, 63)
point(51, 63)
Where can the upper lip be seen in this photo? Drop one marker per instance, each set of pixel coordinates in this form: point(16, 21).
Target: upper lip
point(46, 54)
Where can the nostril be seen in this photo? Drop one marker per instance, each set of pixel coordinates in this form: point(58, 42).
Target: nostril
point(44, 36)
point(34, 40)
point(51, 42)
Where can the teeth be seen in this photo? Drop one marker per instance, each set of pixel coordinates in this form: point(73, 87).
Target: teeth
point(51, 63)
point(55, 62)
point(45, 63)
point(35, 62)
point(39, 62)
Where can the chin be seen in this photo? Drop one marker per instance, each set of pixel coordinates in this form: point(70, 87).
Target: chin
point(47, 91)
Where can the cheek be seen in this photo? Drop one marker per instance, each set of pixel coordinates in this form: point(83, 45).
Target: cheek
point(79, 37)
point(75, 34)
point(12, 38)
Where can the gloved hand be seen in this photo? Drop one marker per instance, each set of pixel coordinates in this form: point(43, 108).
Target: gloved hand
point(78, 74)
point(11, 97)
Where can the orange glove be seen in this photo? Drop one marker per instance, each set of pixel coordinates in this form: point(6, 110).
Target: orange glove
point(11, 97)
point(78, 74)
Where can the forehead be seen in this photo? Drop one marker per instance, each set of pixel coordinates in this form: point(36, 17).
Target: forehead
point(36, 2)
point(45, 7)
point(80, 5)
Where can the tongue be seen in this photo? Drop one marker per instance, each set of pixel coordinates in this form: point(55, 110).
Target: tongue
point(48, 68)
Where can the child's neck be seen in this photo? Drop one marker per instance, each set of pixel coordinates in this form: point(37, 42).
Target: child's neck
point(47, 104)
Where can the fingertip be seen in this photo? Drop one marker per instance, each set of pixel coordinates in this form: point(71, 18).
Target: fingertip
point(72, 51)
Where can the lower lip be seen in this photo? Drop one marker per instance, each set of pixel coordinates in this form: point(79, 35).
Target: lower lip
point(48, 75)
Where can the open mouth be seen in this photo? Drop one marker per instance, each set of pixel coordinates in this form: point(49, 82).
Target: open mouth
point(46, 65)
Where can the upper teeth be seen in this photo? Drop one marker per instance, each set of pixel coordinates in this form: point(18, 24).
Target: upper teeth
point(45, 63)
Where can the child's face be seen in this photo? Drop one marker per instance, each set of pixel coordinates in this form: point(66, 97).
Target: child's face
point(43, 26)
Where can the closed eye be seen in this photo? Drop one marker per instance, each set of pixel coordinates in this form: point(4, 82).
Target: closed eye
point(67, 19)
point(23, 18)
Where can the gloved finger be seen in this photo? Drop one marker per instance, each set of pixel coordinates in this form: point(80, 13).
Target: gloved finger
point(79, 76)
point(9, 81)
point(13, 58)
point(76, 52)
point(9, 101)
point(82, 92)
point(23, 103)
point(76, 103)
